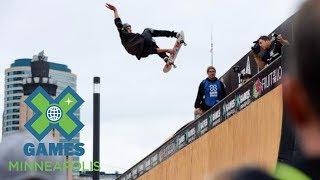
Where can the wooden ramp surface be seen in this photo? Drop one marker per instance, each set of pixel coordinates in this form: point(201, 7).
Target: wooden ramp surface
point(251, 136)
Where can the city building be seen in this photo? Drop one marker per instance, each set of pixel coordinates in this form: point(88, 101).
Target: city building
point(13, 92)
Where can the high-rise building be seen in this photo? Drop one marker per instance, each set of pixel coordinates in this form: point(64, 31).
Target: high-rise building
point(13, 92)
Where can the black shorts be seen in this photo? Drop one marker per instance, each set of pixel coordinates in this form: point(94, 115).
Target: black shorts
point(150, 46)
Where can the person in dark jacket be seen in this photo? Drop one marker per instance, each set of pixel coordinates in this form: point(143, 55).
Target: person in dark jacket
point(210, 92)
point(142, 45)
point(269, 49)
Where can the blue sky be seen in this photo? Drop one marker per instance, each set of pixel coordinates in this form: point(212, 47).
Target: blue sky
point(141, 106)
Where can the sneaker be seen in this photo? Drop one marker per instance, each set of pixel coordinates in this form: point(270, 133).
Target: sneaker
point(180, 36)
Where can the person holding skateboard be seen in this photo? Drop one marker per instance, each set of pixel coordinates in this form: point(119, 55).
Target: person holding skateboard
point(143, 45)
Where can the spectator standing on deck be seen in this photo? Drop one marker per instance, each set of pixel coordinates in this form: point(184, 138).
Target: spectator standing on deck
point(210, 92)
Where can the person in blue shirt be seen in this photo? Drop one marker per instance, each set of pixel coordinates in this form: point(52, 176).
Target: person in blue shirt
point(210, 92)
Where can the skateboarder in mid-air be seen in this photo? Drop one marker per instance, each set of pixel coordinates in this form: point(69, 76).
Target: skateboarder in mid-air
point(142, 45)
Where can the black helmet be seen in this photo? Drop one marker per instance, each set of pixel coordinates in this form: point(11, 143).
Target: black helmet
point(126, 25)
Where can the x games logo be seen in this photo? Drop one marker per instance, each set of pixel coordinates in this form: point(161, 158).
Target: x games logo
point(52, 113)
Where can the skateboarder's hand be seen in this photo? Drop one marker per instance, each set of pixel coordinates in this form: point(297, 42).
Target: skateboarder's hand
point(171, 51)
point(111, 7)
point(198, 111)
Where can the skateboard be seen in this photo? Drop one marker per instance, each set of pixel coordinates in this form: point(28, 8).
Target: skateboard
point(179, 42)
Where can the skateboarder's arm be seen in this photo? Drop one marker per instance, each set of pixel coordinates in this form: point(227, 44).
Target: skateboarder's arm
point(116, 14)
point(200, 95)
point(117, 20)
point(114, 9)
point(118, 23)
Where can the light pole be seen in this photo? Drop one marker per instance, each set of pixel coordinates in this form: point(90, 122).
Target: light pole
point(96, 125)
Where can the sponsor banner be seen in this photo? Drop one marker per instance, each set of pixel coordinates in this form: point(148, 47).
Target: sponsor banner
point(203, 126)
point(191, 134)
point(167, 150)
point(147, 164)
point(267, 80)
point(181, 141)
point(134, 173)
point(215, 118)
point(229, 107)
point(140, 169)
point(129, 176)
point(243, 99)
point(154, 160)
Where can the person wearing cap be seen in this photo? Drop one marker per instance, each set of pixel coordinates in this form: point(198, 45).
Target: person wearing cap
point(210, 92)
point(268, 49)
point(142, 45)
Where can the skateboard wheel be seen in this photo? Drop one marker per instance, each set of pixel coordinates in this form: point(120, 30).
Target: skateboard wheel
point(182, 42)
